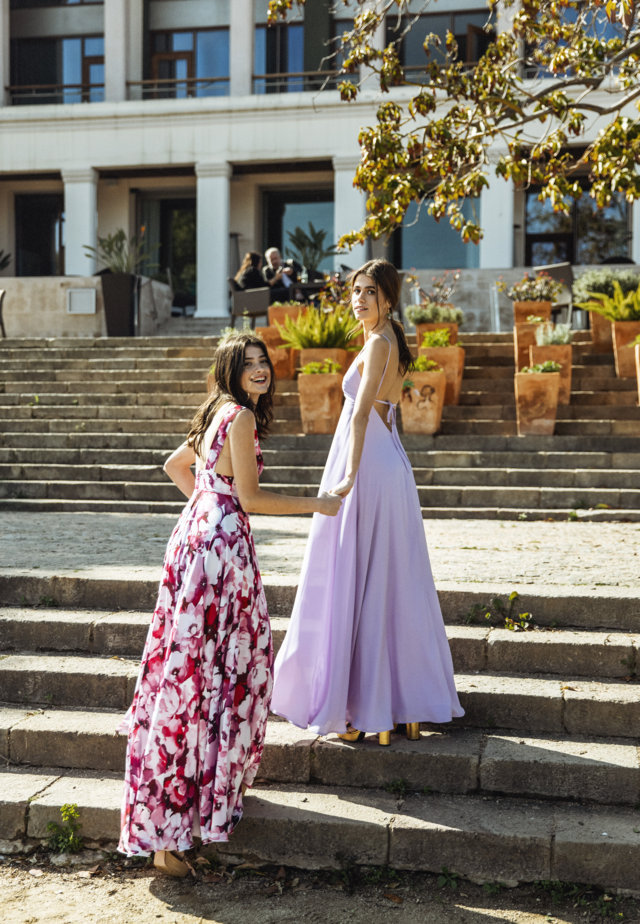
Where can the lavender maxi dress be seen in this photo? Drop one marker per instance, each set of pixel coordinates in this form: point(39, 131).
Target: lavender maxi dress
point(366, 643)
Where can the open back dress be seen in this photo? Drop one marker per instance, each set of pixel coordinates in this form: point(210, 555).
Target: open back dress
point(197, 722)
point(366, 644)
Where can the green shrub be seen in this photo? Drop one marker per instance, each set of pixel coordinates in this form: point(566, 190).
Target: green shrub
point(548, 366)
point(431, 313)
point(621, 306)
point(314, 329)
point(602, 280)
point(437, 338)
point(328, 366)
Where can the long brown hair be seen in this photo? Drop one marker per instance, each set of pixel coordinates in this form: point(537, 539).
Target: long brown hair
point(250, 260)
point(387, 280)
point(228, 366)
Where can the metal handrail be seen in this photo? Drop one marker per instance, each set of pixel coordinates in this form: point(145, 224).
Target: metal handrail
point(154, 84)
point(37, 90)
point(310, 80)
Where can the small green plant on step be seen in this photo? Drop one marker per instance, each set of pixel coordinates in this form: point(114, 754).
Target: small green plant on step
point(447, 879)
point(549, 365)
point(398, 788)
point(500, 611)
point(65, 838)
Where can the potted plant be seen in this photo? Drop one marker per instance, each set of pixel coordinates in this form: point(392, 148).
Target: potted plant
point(320, 396)
point(308, 249)
point(277, 312)
point(532, 295)
point(601, 280)
point(524, 337)
point(536, 390)
point(320, 334)
point(553, 341)
point(423, 397)
point(622, 309)
point(431, 316)
point(120, 257)
point(436, 346)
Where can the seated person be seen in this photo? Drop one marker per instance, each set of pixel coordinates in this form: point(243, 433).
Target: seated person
point(249, 275)
point(281, 277)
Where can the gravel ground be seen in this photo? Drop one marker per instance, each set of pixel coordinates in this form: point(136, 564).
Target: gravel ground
point(102, 892)
point(586, 555)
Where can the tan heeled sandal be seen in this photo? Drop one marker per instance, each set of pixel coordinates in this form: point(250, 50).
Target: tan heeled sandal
point(168, 863)
point(352, 734)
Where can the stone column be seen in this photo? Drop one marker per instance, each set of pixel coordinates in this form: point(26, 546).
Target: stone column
point(134, 45)
point(349, 210)
point(496, 221)
point(115, 50)
point(80, 219)
point(241, 40)
point(5, 46)
point(212, 239)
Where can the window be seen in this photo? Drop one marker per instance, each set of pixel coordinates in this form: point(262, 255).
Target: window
point(190, 63)
point(587, 235)
point(285, 210)
point(596, 24)
point(279, 51)
point(425, 243)
point(57, 70)
point(468, 29)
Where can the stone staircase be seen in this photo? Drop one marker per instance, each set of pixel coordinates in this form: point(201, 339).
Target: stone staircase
point(86, 425)
point(539, 781)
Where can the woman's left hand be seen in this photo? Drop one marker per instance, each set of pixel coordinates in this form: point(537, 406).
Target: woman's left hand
point(343, 488)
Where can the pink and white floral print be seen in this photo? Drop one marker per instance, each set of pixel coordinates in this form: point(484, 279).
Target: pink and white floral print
point(197, 722)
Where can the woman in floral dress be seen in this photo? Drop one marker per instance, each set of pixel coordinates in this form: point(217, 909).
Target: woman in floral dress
point(197, 722)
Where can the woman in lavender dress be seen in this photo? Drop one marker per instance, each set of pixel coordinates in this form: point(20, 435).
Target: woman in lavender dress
point(196, 726)
point(366, 649)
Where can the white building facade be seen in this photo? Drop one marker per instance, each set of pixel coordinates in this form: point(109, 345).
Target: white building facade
point(192, 123)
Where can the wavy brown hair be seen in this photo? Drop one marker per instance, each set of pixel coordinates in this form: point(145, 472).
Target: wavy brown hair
point(388, 281)
point(228, 366)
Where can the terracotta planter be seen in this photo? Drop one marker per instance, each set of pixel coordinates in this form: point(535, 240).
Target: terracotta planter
point(281, 356)
point(601, 336)
point(277, 313)
point(558, 353)
point(536, 402)
point(319, 354)
point(421, 329)
point(638, 369)
point(624, 333)
point(451, 359)
point(524, 336)
point(421, 403)
point(320, 401)
point(522, 310)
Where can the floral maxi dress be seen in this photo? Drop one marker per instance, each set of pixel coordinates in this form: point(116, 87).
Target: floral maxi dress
point(197, 722)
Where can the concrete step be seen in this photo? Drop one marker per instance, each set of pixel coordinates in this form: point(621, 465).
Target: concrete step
point(597, 654)
point(492, 839)
point(452, 760)
point(564, 607)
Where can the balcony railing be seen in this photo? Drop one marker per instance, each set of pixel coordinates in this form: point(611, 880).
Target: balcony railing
point(177, 87)
point(295, 82)
point(35, 93)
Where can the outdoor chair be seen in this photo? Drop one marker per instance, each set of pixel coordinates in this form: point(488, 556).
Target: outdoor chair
point(250, 303)
point(563, 273)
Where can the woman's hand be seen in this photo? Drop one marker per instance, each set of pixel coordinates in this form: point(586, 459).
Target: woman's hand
point(329, 503)
point(344, 487)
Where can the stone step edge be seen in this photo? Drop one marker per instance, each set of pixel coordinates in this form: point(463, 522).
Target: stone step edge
point(592, 654)
point(609, 515)
point(128, 590)
point(494, 840)
point(451, 760)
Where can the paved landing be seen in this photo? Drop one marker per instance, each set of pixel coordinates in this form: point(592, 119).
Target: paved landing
point(590, 556)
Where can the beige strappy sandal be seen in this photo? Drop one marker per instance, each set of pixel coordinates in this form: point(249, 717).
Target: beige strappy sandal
point(171, 865)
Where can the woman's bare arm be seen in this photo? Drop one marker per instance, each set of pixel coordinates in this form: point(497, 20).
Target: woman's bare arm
point(255, 499)
point(178, 468)
point(375, 360)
